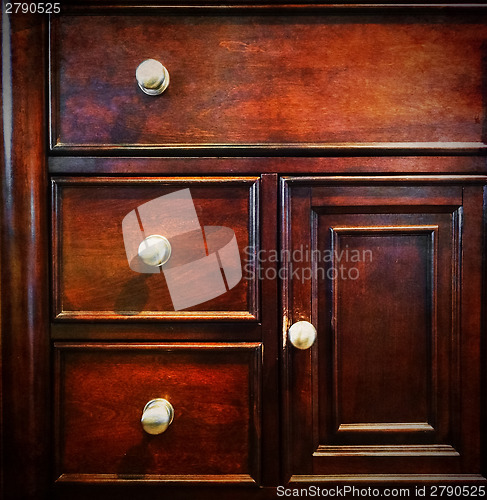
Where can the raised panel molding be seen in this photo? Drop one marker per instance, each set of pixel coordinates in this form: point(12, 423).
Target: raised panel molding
point(411, 301)
point(386, 427)
point(386, 451)
point(90, 274)
point(427, 236)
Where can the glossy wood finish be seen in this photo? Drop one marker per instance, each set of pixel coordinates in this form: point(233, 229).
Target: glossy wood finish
point(24, 262)
point(102, 389)
point(269, 224)
point(92, 278)
point(325, 78)
point(358, 157)
point(383, 390)
point(249, 165)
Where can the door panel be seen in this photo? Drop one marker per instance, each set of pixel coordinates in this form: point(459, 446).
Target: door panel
point(379, 275)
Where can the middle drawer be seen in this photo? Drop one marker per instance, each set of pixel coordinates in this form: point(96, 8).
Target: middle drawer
point(106, 230)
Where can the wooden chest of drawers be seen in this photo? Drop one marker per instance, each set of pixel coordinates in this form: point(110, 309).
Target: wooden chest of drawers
point(268, 274)
point(290, 78)
point(215, 392)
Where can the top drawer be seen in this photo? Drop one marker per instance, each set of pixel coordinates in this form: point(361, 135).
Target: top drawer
point(330, 79)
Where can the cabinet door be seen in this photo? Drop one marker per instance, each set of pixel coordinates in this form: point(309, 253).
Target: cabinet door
point(388, 270)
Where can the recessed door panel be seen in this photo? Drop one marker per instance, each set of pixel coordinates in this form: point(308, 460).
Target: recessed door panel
point(380, 277)
point(384, 339)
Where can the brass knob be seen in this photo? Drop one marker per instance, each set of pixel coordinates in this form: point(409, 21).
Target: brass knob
point(155, 250)
point(152, 77)
point(157, 416)
point(302, 334)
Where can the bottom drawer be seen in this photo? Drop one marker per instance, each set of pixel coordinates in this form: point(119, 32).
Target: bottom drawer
point(102, 389)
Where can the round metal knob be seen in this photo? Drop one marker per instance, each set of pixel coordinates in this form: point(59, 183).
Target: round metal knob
point(152, 77)
point(155, 250)
point(302, 334)
point(157, 416)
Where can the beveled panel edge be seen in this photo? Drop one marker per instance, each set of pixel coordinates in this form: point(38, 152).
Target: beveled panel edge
point(52, 96)
point(55, 237)
point(383, 179)
point(433, 450)
point(385, 478)
point(432, 373)
point(364, 230)
point(155, 316)
point(387, 427)
point(264, 149)
point(58, 314)
point(198, 346)
point(152, 478)
point(24, 255)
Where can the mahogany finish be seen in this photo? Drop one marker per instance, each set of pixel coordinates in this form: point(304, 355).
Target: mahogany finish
point(385, 388)
point(325, 78)
point(92, 278)
point(24, 263)
point(102, 389)
point(357, 164)
point(301, 126)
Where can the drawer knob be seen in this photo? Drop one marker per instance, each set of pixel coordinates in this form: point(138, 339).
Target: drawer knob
point(302, 334)
point(157, 416)
point(155, 250)
point(152, 77)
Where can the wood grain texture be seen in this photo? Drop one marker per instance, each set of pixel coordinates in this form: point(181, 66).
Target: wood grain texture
point(101, 390)
point(269, 282)
point(24, 264)
point(300, 79)
point(406, 333)
point(259, 165)
point(396, 321)
point(92, 279)
point(377, 112)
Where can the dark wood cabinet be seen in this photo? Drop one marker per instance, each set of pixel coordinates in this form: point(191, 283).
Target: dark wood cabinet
point(120, 294)
point(215, 391)
point(391, 383)
point(308, 162)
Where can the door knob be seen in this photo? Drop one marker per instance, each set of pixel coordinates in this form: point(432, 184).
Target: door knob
point(155, 250)
point(302, 334)
point(152, 77)
point(157, 416)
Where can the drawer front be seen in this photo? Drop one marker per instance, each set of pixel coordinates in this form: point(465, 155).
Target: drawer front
point(99, 228)
point(326, 78)
point(101, 391)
